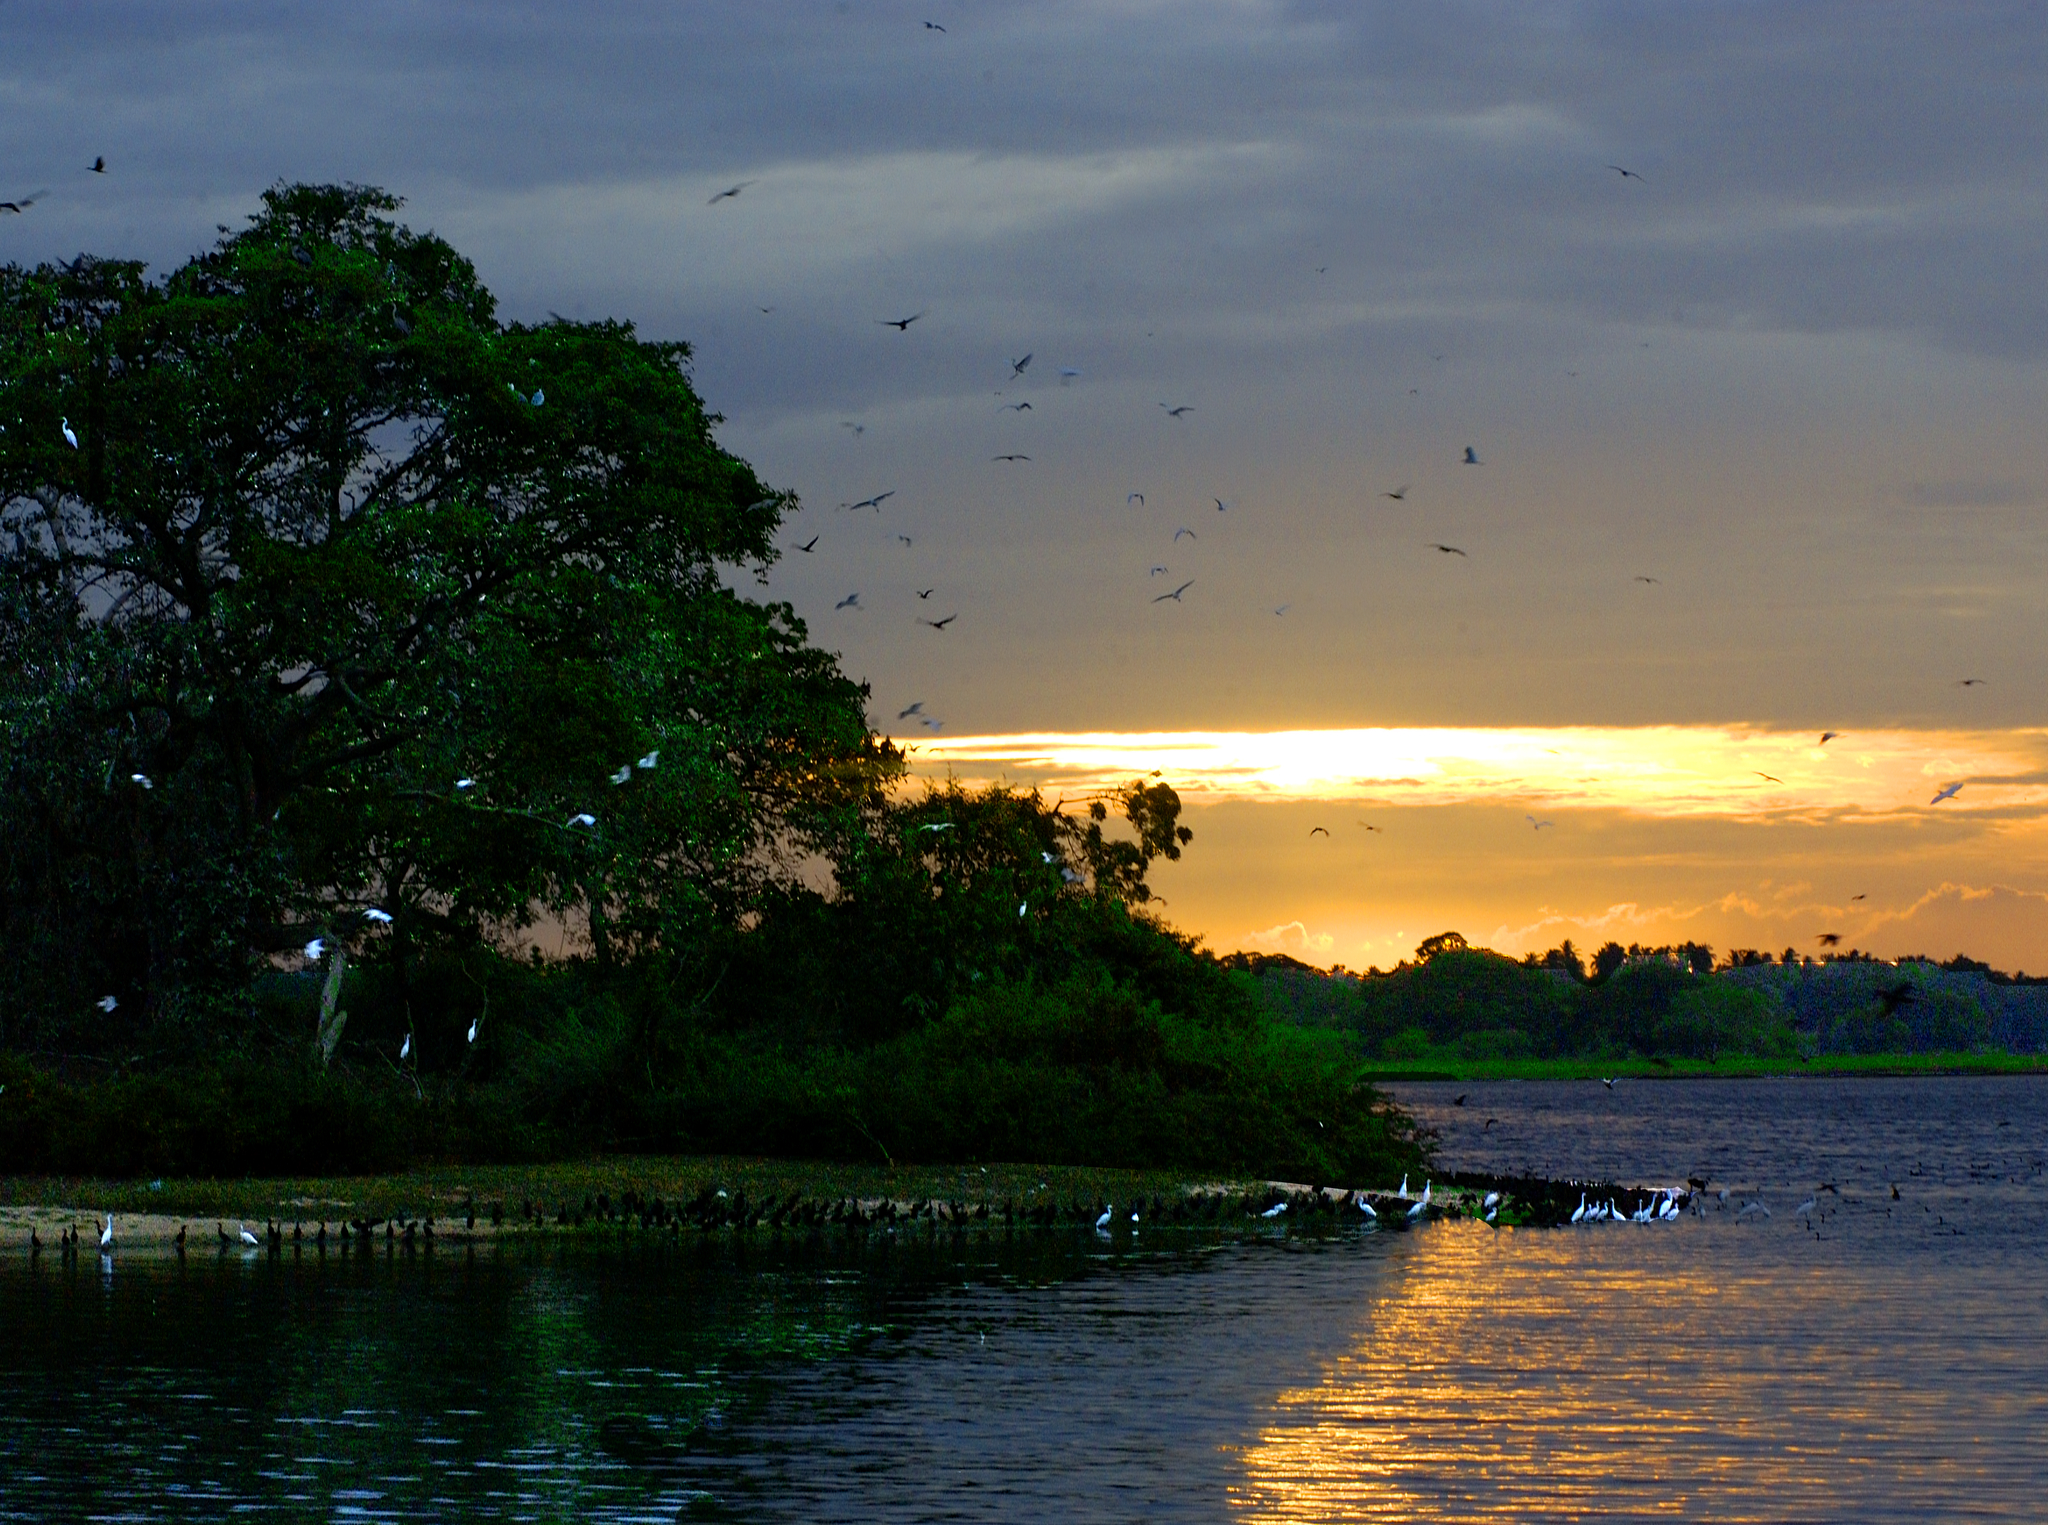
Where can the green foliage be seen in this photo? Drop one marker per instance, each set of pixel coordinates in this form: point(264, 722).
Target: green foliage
point(333, 538)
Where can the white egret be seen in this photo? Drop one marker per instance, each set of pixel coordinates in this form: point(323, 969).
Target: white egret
point(539, 397)
point(582, 818)
point(623, 774)
point(1421, 1204)
point(315, 948)
point(107, 1236)
point(1581, 1212)
point(69, 438)
point(649, 760)
point(1107, 1212)
point(1274, 1211)
point(1366, 1207)
point(472, 1029)
point(382, 918)
point(1804, 1208)
point(106, 1003)
point(1023, 908)
point(142, 779)
point(1403, 1192)
point(464, 783)
point(1492, 1199)
point(248, 1238)
point(1495, 1213)
point(405, 1049)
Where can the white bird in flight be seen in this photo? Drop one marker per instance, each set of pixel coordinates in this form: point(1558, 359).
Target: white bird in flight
point(382, 918)
point(142, 779)
point(1947, 794)
point(106, 1003)
point(1538, 825)
point(464, 783)
point(649, 760)
point(582, 818)
point(316, 947)
point(623, 774)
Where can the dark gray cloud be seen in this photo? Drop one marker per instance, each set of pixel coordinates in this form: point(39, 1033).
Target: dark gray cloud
point(1355, 238)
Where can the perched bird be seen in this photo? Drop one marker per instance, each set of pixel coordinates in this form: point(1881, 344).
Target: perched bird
point(935, 826)
point(107, 1236)
point(1828, 736)
point(1108, 1212)
point(464, 783)
point(649, 760)
point(1177, 412)
point(1366, 1207)
point(1022, 907)
point(901, 325)
point(1471, 457)
point(143, 779)
point(472, 1029)
point(315, 948)
point(247, 1237)
point(1946, 794)
point(582, 818)
point(624, 773)
point(851, 601)
point(70, 438)
point(729, 193)
point(1274, 1211)
point(1448, 550)
point(1176, 593)
point(1608, 1083)
point(405, 1049)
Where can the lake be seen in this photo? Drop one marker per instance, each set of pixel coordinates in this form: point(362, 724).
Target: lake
point(1874, 1358)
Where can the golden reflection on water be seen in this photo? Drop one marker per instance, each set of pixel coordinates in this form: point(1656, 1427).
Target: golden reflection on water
point(1559, 1375)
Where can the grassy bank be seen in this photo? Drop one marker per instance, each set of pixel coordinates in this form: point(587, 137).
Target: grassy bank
point(1453, 1067)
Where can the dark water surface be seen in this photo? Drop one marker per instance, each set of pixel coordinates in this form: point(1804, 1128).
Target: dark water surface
point(1871, 1360)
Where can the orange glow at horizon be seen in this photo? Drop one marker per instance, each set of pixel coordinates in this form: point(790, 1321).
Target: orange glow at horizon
point(1733, 771)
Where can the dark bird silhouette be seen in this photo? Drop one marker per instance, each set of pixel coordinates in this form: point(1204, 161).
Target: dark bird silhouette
point(926, 592)
point(1176, 593)
point(901, 325)
point(1641, 578)
point(1829, 939)
point(851, 601)
point(729, 193)
point(917, 708)
point(1828, 736)
point(1184, 530)
point(1767, 778)
point(1176, 412)
point(1448, 550)
point(1318, 830)
point(1960, 682)
point(809, 545)
point(1017, 407)
point(1219, 505)
point(933, 26)
point(1472, 457)
point(1017, 367)
point(1858, 897)
point(1489, 1123)
point(1399, 494)
point(98, 165)
point(1948, 793)
point(22, 204)
point(1370, 827)
point(1009, 457)
point(1134, 497)
point(875, 502)
point(1458, 1100)
point(906, 539)
point(1626, 174)
point(940, 624)
point(1899, 995)
point(1538, 825)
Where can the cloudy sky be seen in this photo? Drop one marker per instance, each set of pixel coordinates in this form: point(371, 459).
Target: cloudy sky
point(1758, 426)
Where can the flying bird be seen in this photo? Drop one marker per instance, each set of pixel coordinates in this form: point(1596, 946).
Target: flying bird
point(1448, 550)
point(940, 624)
point(1017, 407)
point(1828, 736)
point(905, 539)
point(1626, 174)
point(875, 502)
point(1313, 830)
point(315, 948)
point(1767, 778)
point(851, 601)
point(1017, 367)
point(1947, 794)
point(858, 429)
point(98, 165)
point(1176, 412)
point(729, 193)
point(382, 918)
point(934, 826)
point(1399, 494)
point(1859, 897)
point(1135, 497)
point(1472, 457)
point(1009, 457)
point(141, 778)
point(1156, 571)
point(21, 204)
point(809, 545)
point(1067, 374)
point(1184, 530)
point(1220, 508)
point(1829, 939)
point(1283, 608)
point(582, 818)
point(1968, 682)
point(1641, 578)
point(623, 774)
point(933, 26)
point(926, 592)
point(901, 325)
point(1536, 824)
point(917, 708)
point(1370, 827)
point(106, 1003)
point(1176, 593)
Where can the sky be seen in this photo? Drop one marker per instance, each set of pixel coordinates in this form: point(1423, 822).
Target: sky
point(1757, 425)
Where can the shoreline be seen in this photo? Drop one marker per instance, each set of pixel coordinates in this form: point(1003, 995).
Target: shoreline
point(1832, 1066)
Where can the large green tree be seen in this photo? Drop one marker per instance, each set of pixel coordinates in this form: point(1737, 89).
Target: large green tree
point(327, 592)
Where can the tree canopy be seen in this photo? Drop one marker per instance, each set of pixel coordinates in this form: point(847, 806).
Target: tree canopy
point(327, 591)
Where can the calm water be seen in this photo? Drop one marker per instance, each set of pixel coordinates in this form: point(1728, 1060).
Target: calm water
point(1887, 1362)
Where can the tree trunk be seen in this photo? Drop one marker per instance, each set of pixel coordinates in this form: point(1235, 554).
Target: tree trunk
point(332, 1020)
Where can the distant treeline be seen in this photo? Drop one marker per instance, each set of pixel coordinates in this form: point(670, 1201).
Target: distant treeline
point(1457, 1001)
